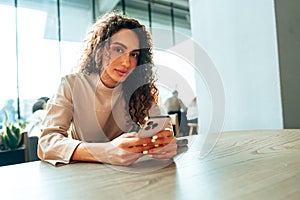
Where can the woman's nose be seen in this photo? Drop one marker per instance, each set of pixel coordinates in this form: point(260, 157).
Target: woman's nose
point(126, 59)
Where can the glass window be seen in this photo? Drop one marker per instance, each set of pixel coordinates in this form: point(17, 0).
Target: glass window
point(8, 68)
point(76, 18)
point(138, 10)
point(46, 48)
point(38, 52)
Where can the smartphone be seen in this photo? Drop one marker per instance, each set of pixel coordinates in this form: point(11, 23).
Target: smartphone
point(153, 125)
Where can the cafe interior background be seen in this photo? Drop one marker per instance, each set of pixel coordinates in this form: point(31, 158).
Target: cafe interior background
point(252, 45)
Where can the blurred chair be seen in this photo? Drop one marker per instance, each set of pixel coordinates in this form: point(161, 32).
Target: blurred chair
point(30, 148)
point(193, 128)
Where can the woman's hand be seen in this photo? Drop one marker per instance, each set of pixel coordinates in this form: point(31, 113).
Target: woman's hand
point(165, 146)
point(123, 150)
point(127, 148)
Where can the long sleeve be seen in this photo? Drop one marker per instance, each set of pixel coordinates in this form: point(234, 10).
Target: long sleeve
point(54, 144)
point(82, 110)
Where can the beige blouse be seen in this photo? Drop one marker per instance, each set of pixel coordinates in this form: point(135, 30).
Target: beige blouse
point(83, 109)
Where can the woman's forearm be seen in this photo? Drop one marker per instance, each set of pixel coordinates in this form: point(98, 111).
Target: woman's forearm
point(86, 152)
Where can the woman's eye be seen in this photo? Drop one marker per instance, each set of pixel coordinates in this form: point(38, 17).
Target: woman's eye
point(119, 50)
point(135, 55)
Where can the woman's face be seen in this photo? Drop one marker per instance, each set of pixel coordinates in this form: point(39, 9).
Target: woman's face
point(124, 55)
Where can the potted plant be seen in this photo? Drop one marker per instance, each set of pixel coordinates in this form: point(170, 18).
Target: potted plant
point(12, 149)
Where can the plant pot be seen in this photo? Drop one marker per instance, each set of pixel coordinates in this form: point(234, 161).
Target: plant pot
point(9, 157)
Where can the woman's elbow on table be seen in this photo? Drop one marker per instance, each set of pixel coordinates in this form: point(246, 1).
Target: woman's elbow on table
point(56, 147)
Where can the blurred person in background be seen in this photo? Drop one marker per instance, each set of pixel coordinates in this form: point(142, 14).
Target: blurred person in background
point(192, 111)
point(174, 105)
point(34, 128)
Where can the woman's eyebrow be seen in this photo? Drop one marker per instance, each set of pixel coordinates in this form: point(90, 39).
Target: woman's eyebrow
point(124, 46)
point(118, 43)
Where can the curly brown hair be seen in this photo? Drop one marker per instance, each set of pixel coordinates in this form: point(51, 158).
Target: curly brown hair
point(139, 89)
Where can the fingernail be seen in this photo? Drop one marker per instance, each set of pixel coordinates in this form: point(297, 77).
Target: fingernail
point(153, 140)
point(156, 145)
point(144, 145)
point(155, 137)
point(145, 152)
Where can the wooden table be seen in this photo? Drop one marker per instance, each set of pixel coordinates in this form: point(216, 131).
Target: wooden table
point(243, 165)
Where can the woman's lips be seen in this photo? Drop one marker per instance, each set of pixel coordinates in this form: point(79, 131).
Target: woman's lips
point(121, 72)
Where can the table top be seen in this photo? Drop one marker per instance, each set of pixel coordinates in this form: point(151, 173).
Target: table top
point(243, 165)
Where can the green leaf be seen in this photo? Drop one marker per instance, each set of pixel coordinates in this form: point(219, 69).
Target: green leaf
point(12, 135)
point(12, 138)
point(6, 118)
point(16, 130)
point(4, 142)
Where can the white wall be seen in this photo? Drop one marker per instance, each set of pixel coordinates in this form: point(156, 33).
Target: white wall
point(240, 38)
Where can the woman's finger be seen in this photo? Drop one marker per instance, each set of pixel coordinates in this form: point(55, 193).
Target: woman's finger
point(138, 149)
point(164, 154)
point(129, 135)
point(134, 142)
point(165, 133)
point(160, 141)
point(164, 148)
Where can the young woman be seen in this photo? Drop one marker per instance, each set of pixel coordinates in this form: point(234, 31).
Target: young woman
point(95, 114)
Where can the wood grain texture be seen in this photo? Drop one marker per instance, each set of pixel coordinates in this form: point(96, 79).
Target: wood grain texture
point(243, 165)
